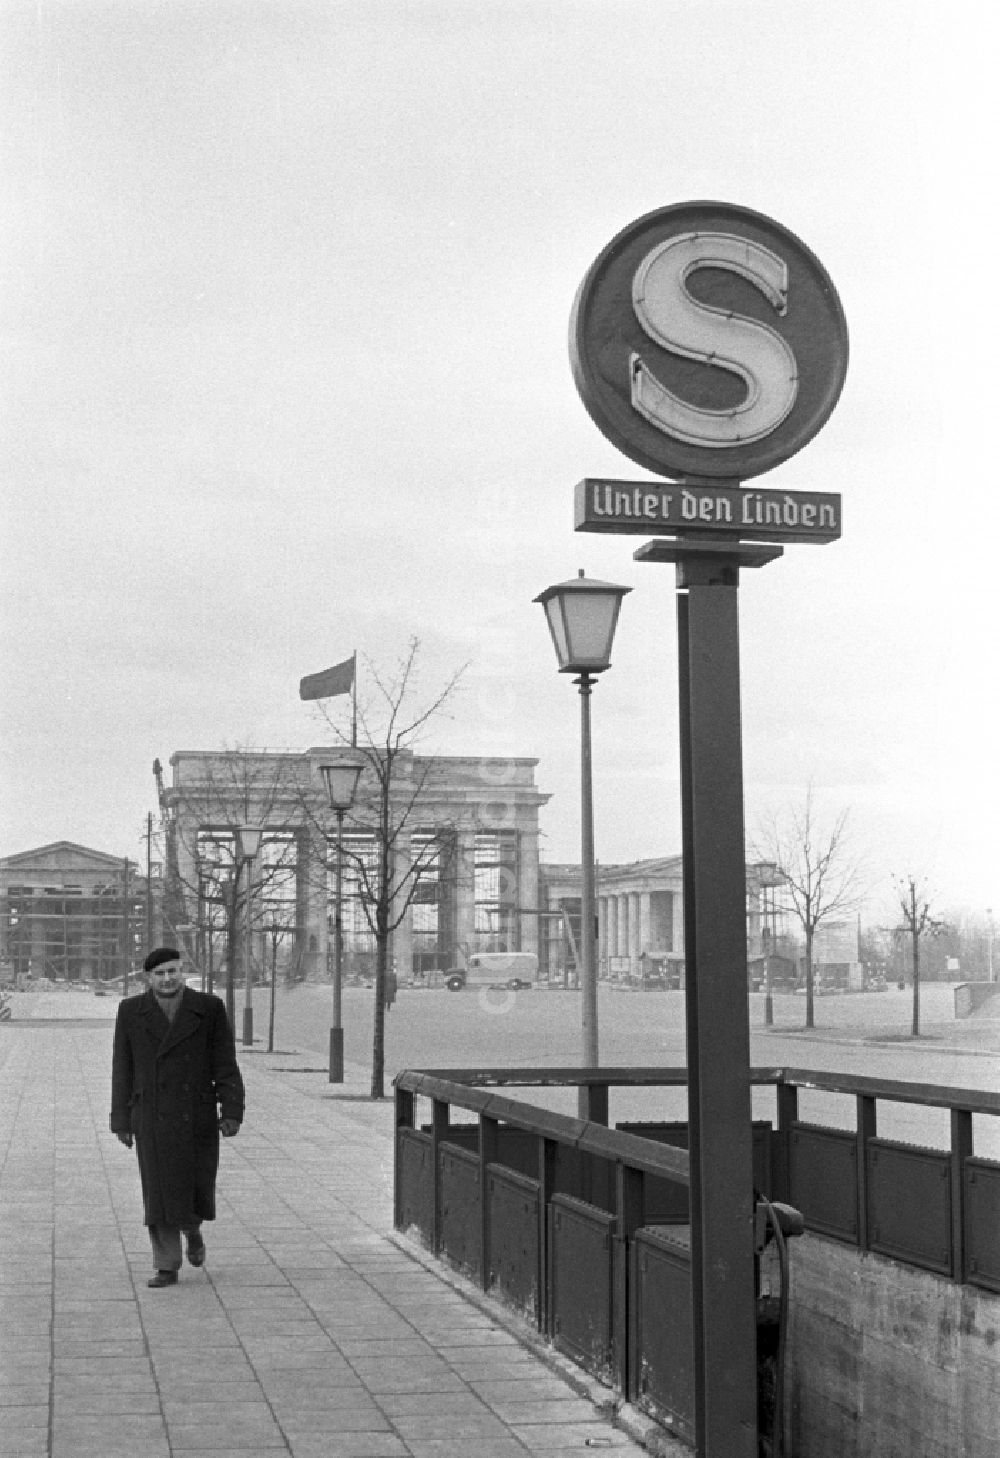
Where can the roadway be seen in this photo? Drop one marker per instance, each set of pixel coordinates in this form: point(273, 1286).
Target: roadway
point(855, 1033)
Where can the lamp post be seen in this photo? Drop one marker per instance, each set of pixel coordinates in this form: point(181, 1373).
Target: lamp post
point(989, 943)
point(227, 889)
point(248, 838)
point(582, 616)
point(341, 777)
point(126, 930)
point(768, 948)
point(769, 880)
point(277, 930)
point(205, 925)
point(185, 932)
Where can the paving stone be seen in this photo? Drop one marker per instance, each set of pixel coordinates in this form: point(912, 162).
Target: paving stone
point(23, 1394)
point(99, 1366)
point(205, 1437)
point(115, 1430)
point(32, 1443)
point(507, 1447)
point(17, 1419)
point(305, 1384)
point(545, 1437)
point(392, 1347)
point(67, 1383)
point(355, 1445)
point(453, 1426)
point(527, 1388)
point(549, 1411)
point(68, 1404)
point(245, 1410)
point(394, 1403)
point(106, 1445)
point(336, 1399)
point(362, 1419)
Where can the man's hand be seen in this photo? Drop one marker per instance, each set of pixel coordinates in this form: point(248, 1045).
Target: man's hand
point(229, 1127)
point(125, 1139)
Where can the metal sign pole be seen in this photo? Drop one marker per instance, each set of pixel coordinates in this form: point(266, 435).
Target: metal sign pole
point(724, 1316)
point(588, 915)
point(719, 1112)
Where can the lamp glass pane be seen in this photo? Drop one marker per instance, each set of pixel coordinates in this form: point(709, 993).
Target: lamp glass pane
point(341, 784)
point(249, 839)
point(590, 621)
point(554, 614)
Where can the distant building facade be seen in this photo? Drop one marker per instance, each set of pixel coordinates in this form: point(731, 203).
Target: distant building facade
point(470, 823)
point(640, 920)
point(70, 913)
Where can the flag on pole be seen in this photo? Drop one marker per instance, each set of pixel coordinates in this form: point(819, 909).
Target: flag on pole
point(332, 681)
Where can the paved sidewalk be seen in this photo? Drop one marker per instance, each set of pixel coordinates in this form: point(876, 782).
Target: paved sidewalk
point(308, 1332)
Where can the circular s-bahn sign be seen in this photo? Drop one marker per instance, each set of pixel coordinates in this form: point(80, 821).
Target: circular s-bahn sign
point(708, 341)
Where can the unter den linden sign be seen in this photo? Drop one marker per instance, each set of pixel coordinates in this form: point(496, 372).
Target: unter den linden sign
point(708, 344)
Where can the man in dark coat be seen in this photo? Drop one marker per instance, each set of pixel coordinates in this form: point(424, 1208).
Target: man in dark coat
point(175, 1085)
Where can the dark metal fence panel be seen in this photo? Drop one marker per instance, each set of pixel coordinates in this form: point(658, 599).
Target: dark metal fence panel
point(824, 1179)
point(581, 1283)
point(585, 1176)
point(466, 1136)
point(662, 1371)
point(518, 1149)
point(415, 1197)
point(909, 1204)
point(512, 1261)
point(982, 1211)
point(461, 1224)
point(666, 1201)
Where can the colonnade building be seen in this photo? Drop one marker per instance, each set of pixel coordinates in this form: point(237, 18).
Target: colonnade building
point(462, 855)
point(640, 920)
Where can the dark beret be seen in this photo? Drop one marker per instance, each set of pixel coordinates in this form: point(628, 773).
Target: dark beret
point(159, 956)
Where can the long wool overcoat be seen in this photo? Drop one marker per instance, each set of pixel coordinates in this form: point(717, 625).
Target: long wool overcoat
point(170, 1085)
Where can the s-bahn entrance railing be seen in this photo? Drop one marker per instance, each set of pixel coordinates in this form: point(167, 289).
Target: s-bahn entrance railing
point(584, 1228)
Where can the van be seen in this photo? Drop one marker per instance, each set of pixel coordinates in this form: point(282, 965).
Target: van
point(495, 969)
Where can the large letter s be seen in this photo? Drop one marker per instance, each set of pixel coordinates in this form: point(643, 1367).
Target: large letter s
point(674, 319)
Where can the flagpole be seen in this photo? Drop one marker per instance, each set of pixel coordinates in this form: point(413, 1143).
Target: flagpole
point(354, 700)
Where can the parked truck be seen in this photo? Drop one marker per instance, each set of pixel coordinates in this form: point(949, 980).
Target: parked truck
point(494, 969)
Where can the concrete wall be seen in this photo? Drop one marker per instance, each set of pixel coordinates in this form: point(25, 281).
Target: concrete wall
point(889, 1361)
point(971, 996)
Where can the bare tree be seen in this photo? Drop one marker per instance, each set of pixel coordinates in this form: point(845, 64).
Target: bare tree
point(918, 921)
point(203, 872)
point(388, 805)
point(820, 875)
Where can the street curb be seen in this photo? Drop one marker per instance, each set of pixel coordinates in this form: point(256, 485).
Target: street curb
point(636, 1425)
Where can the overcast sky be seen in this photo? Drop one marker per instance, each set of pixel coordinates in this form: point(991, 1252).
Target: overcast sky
point(286, 293)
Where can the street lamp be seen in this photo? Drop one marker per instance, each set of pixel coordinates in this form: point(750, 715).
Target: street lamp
point(582, 615)
point(341, 776)
point(248, 838)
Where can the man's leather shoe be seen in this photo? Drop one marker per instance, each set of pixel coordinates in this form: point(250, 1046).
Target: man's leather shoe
point(163, 1278)
point(196, 1252)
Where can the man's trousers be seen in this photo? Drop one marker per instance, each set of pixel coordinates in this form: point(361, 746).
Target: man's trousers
point(166, 1243)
